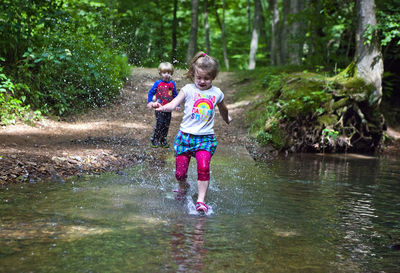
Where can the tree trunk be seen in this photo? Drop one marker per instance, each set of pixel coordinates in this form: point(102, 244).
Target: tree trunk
point(207, 27)
point(368, 56)
point(193, 31)
point(226, 60)
point(275, 54)
point(263, 30)
point(317, 47)
point(284, 32)
point(295, 44)
point(222, 27)
point(255, 34)
point(174, 33)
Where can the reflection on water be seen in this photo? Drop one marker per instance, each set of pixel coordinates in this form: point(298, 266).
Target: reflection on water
point(187, 246)
point(302, 213)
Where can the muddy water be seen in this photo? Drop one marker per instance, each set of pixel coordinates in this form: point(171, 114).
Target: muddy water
point(303, 213)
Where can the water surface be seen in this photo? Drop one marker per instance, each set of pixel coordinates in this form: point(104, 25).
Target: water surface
point(302, 213)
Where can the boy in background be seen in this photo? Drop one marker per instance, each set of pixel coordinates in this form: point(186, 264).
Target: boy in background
point(164, 91)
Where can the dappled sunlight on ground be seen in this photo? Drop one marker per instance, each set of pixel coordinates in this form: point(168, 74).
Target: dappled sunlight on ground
point(59, 127)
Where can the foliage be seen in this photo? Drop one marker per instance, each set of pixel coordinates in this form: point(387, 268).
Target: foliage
point(72, 77)
point(388, 15)
point(329, 33)
point(328, 134)
point(12, 108)
point(388, 28)
point(62, 53)
point(68, 55)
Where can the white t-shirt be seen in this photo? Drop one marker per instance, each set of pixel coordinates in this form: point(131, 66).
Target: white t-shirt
point(198, 116)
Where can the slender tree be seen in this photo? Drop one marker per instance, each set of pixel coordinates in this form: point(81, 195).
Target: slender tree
point(284, 32)
point(263, 29)
point(292, 32)
point(255, 34)
point(317, 45)
point(222, 27)
point(193, 31)
point(226, 60)
point(275, 54)
point(207, 27)
point(368, 56)
point(295, 32)
point(174, 33)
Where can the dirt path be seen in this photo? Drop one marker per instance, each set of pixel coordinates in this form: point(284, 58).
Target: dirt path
point(106, 139)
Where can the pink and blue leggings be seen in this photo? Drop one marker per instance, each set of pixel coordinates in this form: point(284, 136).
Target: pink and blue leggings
point(203, 159)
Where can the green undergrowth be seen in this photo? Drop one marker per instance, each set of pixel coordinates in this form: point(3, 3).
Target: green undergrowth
point(59, 58)
point(70, 79)
point(12, 108)
point(287, 95)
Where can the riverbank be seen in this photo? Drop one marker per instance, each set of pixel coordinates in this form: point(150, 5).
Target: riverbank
point(113, 138)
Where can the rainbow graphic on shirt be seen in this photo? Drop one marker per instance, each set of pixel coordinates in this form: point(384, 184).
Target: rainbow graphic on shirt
point(203, 107)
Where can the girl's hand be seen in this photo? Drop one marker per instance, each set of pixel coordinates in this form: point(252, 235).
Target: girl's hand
point(159, 108)
point(152, 105)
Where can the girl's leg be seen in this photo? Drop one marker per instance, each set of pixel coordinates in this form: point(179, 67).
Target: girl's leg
point(182, 165)
point(203, 159)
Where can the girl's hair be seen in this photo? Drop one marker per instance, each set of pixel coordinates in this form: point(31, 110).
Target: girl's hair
point(166, 67)
point(204, 62)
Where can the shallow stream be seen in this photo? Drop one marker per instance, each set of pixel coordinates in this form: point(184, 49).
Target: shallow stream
point(301, 213)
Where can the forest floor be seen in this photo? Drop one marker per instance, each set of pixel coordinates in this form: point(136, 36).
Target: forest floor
point(111, 138)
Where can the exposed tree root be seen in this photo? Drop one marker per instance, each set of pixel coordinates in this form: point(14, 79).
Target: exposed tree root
point(358, 129)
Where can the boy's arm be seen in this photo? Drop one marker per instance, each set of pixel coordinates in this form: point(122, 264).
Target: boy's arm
point(152, 91)
point(151, 94)
point(169, 107)
point(223, 110)
point(174, 94)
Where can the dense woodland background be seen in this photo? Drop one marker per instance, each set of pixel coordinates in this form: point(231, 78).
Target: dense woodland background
point(62, 57)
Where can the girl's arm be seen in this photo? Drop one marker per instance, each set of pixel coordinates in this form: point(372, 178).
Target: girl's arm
point(223, 110)
point(169, 107)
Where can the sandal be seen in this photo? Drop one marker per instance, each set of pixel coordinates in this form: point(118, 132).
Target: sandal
point(201, 207)
point(181, 194)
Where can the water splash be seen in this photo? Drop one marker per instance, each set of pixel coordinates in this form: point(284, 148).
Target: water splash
point(191, 207)
point(188, 205)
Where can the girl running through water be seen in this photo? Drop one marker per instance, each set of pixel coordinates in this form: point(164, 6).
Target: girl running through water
point(196, 134)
